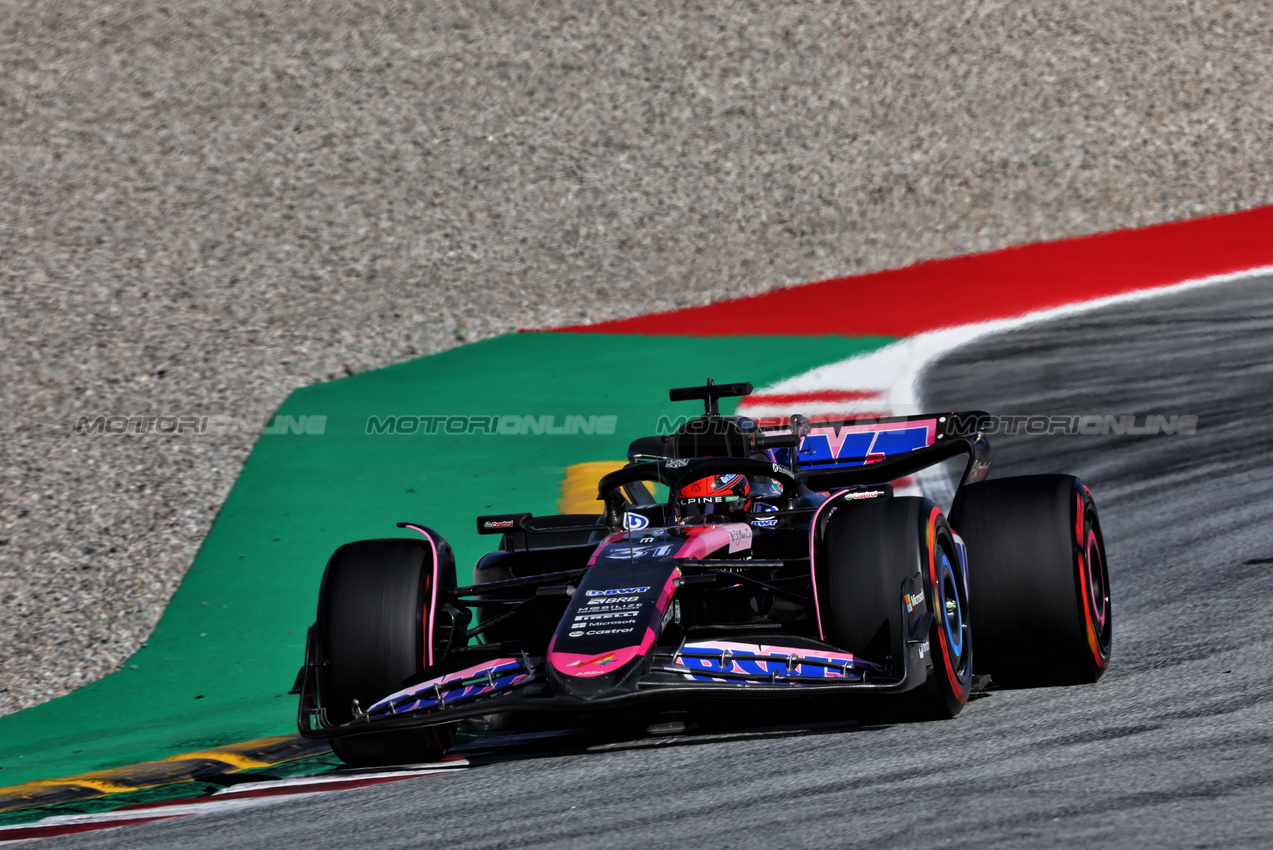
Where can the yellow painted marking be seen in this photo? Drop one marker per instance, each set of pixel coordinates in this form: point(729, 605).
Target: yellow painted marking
point(106, 786)
point(238, 762)
point(234, 755)
point(244, 756)
point(579, 488)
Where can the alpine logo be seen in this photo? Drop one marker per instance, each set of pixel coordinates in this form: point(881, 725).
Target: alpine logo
point(632, 522)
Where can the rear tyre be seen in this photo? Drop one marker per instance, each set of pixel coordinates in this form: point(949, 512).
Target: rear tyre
point(373, 614)
point(871, 549)
point(1039, 580)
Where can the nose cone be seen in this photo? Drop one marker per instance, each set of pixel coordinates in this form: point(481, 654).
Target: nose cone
point(603, 643)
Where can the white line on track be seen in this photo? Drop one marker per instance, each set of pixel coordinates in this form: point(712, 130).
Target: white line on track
point(898, 367)
point(247, 795)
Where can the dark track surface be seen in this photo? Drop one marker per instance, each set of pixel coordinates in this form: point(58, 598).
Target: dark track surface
point(1171, 748)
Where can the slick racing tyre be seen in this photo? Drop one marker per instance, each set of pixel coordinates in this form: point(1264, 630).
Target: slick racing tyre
point(373, 612)
point(1038, 579)
point(872, 548)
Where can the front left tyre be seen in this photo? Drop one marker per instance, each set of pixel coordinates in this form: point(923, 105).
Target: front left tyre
point(373, 632)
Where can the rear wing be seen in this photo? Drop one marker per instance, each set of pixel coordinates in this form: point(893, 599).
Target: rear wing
point(830, 452)
point(840, 443)
point(901, 445)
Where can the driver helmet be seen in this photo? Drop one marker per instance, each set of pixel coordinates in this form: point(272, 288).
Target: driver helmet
point(716, 494)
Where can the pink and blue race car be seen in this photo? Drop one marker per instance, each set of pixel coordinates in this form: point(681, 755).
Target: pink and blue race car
point(732, 560)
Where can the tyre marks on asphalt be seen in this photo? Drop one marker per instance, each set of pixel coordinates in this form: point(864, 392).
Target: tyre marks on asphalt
point(1188, 521)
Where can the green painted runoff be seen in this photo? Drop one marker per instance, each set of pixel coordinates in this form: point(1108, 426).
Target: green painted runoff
point(219, 664)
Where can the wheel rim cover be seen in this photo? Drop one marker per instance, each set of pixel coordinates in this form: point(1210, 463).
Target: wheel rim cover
point(1096, 581)
point(951, 609)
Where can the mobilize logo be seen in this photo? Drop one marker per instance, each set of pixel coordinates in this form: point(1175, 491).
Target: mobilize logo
point(619, 591)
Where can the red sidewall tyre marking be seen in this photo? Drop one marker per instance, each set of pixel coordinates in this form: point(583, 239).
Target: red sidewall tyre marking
point(1085, 544)
point(948, 663)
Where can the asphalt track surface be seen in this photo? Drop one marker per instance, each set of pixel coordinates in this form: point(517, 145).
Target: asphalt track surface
point(1171, 748)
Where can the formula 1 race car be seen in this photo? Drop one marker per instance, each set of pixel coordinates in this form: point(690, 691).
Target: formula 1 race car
point(731, 559)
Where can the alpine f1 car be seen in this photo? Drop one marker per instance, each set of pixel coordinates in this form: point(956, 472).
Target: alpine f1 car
point(731, 560)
